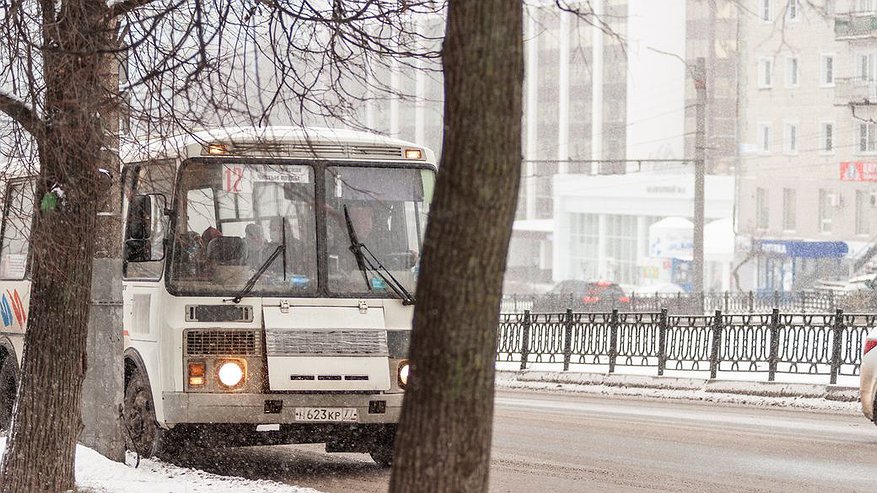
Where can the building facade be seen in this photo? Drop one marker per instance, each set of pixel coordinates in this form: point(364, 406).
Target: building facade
point(809, 140)
point(612, 100)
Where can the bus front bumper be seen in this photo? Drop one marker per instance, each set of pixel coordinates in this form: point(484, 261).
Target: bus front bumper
point(208, 408)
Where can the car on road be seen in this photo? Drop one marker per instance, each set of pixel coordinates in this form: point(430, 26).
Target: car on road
point(868, 377)
point(582, 296)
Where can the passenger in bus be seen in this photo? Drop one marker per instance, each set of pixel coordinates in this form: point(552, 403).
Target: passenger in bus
point(190, 258)
point(209, 234)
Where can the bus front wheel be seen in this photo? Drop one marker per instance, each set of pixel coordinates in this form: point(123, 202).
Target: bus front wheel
point(8, 387)
point(138, 417)
point(381, 448)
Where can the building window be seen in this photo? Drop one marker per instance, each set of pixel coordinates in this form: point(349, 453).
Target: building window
point(789, 207)
point(792, 10)
point(762, 213)
point(863, 204)
point(867, 138)
point(621, 241)
point(826, 137)
point(764, 137)
point(790, 139)
point(827, 200)
point(584, 245)
point(866, 5)
point(765, 12)
point(826, 72)
point(867, 67)
point(792, 72)
point(765, 75)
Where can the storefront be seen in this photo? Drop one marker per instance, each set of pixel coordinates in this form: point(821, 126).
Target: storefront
point(601, 223)
point(788, 265)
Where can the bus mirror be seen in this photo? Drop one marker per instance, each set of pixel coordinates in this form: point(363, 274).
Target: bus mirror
point(137, 250)
point(139, 217)
point(144, 239)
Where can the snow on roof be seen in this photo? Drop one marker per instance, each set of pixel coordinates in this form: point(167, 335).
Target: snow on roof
point(673, 223)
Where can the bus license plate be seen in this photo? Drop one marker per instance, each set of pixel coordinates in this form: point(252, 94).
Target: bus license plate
point(326, 414)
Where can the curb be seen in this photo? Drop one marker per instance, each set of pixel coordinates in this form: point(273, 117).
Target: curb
point(761, 389)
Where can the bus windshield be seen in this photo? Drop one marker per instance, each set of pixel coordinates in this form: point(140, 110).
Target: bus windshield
point(232, 217)
point(387, 208)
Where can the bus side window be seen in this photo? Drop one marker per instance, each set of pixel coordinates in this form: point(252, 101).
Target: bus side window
point(17, 221)
point(147, 188)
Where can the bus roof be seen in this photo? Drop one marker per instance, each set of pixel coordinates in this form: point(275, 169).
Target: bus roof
point(281, 141)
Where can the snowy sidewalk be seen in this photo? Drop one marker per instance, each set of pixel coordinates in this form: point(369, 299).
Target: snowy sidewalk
point(797, 395)
point(95, 473)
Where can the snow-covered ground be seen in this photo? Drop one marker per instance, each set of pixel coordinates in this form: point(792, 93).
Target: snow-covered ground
point(509, 381)
point(845, 380)
point(95, 473)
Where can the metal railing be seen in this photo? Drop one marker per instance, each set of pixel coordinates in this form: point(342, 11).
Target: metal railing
point(770, 343)
point(700, 303)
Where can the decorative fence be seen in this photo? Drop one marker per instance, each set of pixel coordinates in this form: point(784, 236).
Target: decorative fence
point(770, 343)
point(726, 301)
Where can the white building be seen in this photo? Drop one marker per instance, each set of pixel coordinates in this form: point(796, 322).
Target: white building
point(601, 223)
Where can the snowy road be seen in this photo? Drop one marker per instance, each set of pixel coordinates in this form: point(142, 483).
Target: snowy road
point(575, 443)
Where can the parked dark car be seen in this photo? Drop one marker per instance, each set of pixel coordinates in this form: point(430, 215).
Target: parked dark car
point(582, 296)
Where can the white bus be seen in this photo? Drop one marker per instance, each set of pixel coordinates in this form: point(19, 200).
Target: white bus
point(268, 287)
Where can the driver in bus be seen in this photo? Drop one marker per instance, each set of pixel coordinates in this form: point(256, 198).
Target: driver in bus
point(255, 242)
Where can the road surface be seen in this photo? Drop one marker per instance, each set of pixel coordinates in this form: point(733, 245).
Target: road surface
point(577, 443)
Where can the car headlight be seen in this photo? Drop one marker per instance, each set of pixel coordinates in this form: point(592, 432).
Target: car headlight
point(403, 374)
point(231, 373)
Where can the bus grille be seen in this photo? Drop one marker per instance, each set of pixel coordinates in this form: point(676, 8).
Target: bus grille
point(225, 342)
point(375, 151)
point(316, 150)
point(326, 342)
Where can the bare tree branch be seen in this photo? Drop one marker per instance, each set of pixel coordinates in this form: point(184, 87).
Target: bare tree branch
point(126, 6)
point(21, 113)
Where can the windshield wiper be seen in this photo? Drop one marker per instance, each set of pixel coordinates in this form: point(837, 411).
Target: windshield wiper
point(356, 248)
point(372, 263)
point(251, 283)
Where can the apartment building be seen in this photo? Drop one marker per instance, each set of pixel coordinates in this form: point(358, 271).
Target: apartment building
point(807, 181)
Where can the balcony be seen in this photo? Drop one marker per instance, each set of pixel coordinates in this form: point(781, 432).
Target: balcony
point(855, 90)
point(855, 25)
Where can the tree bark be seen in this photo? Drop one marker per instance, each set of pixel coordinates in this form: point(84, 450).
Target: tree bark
point(42, 441)
point(444, 437)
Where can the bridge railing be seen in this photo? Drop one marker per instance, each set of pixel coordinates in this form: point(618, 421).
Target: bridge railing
point(705, 303)
point(828, 344)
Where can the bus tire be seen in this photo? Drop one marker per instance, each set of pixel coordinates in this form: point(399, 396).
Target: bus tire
point(382, 447)
point(141, 430)
point(8, 388)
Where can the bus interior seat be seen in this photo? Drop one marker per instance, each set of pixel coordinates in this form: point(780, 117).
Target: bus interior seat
point(227, 250)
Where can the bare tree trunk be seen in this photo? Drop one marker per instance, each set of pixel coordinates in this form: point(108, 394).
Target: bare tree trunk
point(42, 441)
point(444, 437)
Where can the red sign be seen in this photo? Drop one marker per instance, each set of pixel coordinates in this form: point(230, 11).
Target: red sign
point(858, 171)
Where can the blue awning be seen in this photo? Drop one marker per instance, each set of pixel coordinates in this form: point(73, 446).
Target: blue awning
point(802, 249)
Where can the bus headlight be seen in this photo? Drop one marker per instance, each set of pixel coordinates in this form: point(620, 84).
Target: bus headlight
point(197, 373)
point(231, 373)
point(403, 374)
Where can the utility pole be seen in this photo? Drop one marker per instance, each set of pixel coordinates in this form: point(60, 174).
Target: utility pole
point(102, 390)
point(699, 76)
